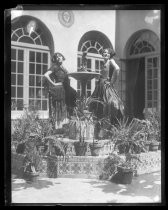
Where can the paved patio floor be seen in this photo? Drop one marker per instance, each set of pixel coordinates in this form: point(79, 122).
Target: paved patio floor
point(144, 189)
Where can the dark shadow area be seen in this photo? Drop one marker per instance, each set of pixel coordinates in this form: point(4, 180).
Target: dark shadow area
point(37, 183)
point(147, 185)
point(139, 91)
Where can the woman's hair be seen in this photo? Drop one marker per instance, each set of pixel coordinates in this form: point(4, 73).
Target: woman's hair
point(110, 51)
point(54, 58)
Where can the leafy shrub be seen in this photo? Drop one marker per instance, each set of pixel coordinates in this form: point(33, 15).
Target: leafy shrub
point(154, 124)
point(30, 123)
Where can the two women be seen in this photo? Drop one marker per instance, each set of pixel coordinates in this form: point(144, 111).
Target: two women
point(62, 95)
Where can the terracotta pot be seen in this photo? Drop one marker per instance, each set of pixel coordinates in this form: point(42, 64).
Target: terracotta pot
point(80, 149)
point(123, 176)
point(154, 146)
point(159, 148)
point(30, 177)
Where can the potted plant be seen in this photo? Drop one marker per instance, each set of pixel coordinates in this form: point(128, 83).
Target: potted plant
point(97, 145)
point(110, 166)
point(119, 170)
point(128, 137)
point(125, 170)
point(154, 145)
point(82, 123)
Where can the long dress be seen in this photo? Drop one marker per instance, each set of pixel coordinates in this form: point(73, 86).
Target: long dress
point(62, 98)
point(111, 107)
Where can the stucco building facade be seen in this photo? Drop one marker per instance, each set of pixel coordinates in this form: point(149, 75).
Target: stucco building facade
point(134, 34)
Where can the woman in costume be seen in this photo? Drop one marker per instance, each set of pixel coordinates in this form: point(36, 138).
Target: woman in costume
point(111, 106)
point(62, 97)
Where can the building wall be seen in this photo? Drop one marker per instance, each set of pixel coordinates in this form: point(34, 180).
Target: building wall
point(66, 39)
point(130, 21)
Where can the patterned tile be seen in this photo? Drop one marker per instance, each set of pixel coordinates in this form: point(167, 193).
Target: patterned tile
point(76, 168)
point(64, 167)
point(88, 168)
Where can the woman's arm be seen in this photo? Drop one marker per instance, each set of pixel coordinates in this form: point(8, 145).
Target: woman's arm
point(115, 72)
point(47, 76)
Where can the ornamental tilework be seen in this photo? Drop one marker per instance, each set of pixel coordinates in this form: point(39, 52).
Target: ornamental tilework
point(88, 168)
point(58, 166)
point(64, 167)
point(150, 162)
point(79, 165)
point(42, 167)
point(76, 168)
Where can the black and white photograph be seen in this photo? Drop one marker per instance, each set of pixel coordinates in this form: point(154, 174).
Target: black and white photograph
point(86, 105)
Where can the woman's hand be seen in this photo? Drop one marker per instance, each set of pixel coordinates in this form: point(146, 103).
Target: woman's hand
point(58, 83)
point(54, 84)
point(51, 83)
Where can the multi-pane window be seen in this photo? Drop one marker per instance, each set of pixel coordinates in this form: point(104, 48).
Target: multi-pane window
point(122, 83)
point(17, 77)
point(152, 82)
point(98, 67)
point(79, 63)
point(38, 65)
point(27, 68)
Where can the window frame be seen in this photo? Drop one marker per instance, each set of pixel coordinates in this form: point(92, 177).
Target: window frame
point(158, 84)
point(27, 48)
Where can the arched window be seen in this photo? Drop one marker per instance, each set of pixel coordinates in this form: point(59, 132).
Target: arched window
point(145, 44)
point(92, 46)
point(140, 47)
point(30, 59)
point(21, 35)
point(142, 43)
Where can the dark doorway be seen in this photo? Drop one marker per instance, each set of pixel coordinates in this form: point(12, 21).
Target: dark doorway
point(139, 91)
